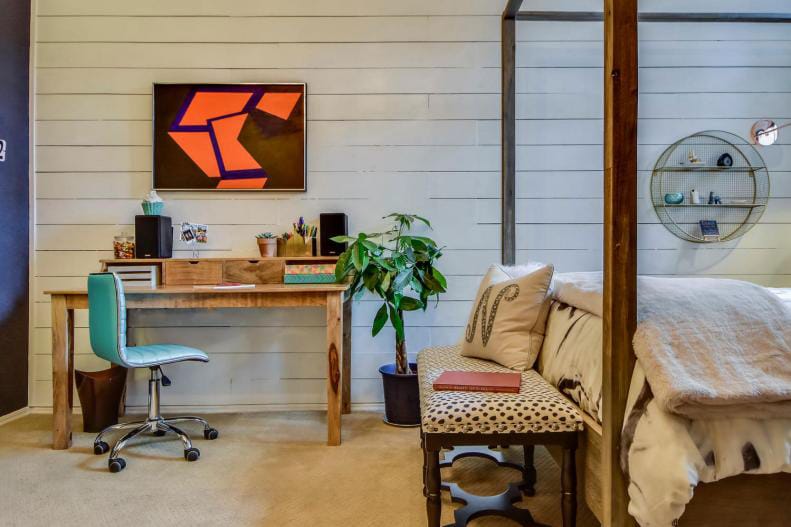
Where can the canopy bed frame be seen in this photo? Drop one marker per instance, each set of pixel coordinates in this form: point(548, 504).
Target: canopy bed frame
point(729, 502)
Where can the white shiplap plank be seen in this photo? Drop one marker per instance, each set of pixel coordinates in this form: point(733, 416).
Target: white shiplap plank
point(403, 109)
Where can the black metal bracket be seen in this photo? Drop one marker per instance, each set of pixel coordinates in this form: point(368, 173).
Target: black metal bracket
point(498, 505)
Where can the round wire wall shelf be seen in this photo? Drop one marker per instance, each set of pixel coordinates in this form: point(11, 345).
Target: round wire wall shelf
point(727, 173)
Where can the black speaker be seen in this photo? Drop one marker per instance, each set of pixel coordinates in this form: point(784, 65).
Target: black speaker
point(332, 224)
point(153, 237)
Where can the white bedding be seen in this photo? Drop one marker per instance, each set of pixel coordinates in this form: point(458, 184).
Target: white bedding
point(666, 455)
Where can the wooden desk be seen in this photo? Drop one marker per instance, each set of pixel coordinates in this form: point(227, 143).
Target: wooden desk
point(187, 297)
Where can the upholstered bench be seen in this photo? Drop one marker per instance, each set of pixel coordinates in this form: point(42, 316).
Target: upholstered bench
point(537, 415)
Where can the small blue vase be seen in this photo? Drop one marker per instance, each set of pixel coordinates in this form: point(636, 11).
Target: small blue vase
point(674, 198)
point(152, 208)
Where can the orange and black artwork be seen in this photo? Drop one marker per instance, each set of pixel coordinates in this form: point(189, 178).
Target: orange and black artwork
point(229, 137)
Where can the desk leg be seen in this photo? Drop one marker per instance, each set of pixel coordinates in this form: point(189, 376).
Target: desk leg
point(346, 377)
point(335, 353)
point(62, 371)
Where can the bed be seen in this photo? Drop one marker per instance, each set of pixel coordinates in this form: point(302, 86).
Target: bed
point(660, 493)
point(733, 501)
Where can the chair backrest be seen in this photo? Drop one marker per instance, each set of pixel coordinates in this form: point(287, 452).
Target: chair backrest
point(107, 317)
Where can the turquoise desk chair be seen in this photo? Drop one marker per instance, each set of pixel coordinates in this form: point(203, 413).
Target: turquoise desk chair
point(107, 317)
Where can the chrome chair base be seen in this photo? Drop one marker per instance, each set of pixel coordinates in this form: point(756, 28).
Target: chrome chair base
point(154, 424)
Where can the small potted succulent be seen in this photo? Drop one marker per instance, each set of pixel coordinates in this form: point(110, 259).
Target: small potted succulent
point(267, 244)
point(398, 267)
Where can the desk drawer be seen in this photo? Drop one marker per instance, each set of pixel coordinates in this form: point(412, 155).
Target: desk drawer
point(264, 271)
point(191, 272)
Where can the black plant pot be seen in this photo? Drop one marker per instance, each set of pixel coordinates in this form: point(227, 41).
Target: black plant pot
point(402, 397)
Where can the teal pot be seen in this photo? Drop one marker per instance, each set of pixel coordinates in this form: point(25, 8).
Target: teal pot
point(402, 396)
point(152, 208)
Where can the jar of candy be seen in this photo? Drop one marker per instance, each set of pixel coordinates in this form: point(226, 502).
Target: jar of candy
point(124, 247)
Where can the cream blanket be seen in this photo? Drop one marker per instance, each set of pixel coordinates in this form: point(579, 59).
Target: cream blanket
point(709, 347)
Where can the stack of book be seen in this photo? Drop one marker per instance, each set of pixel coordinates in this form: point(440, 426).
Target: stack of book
point(478, 381)
point(310, 274)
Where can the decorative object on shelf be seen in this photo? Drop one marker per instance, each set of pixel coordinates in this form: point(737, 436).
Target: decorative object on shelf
point(725, 160)
point(694, 197)
point(674, 198)
point(124, 247)
point(194, 233)
point(709, 230)
point(399, 268)
point(766, 132)
point(693, 158)
point(738, 192)
point(267, 244)
point(152, 204)
point(301, 241)
point(229, 137)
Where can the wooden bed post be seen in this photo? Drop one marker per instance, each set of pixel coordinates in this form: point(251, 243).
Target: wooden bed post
point(508, 130)
point(620, 243)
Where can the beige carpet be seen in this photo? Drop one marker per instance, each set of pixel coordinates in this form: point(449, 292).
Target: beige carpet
point(267, 469)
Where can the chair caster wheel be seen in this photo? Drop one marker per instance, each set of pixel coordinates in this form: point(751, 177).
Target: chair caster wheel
point(116, 464)
point(192, 454)
point(211, 434)
point(100, 448)
point(159, 433)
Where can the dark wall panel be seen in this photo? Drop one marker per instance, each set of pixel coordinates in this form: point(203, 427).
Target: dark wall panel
point(14, 208)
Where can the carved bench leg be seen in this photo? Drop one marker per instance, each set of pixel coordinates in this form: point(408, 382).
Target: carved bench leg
point(569, 487)
point(432, 486)
point(529, 475)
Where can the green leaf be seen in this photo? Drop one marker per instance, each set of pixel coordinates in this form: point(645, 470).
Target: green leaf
point(359, 257)
point(402, 279)
point(384, 285)
point(418, 245)
point(371, 246)
point(342, 266)
point(371, 278)
point(439, 277)
point(424, 220)
point(400, 261)
point(410, 304)
point(379, 320)
point(343, 239)
point(383, 263)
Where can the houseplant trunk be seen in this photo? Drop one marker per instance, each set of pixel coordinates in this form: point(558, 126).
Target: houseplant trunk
point(402, 397)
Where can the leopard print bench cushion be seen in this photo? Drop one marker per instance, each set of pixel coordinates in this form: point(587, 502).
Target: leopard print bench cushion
point(538, 407)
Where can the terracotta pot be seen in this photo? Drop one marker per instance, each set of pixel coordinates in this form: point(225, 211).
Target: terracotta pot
point(267, 247)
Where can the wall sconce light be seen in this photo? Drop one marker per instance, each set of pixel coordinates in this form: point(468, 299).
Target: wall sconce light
point(766, 132)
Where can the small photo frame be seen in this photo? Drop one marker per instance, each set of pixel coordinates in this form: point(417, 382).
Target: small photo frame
point(201, 233)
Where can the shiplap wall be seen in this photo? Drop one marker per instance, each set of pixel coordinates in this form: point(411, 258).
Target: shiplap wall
point(403, 112)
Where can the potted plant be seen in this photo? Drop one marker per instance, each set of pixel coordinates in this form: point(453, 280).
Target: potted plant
point(267, 244)
point(398, 267)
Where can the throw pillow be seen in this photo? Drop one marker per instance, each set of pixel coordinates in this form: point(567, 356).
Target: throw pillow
point(509, 315)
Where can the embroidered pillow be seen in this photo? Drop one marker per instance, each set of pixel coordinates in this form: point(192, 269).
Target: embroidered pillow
point(507, 321)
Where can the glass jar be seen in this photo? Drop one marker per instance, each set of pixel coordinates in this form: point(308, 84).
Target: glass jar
point(124, 247)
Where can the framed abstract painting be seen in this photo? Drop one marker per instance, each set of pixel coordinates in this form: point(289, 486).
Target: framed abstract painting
point(229, 137)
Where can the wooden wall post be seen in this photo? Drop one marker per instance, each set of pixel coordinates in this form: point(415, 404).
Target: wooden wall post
point(508, 132)
point(620, 243)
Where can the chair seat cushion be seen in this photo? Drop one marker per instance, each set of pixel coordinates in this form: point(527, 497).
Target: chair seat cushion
point(155, 354)
point(538, 407)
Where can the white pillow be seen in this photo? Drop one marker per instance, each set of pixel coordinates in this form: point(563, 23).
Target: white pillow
point(509, 315)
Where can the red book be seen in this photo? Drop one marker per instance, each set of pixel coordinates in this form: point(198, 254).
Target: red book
point(478, 381)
